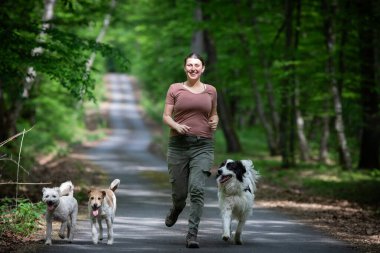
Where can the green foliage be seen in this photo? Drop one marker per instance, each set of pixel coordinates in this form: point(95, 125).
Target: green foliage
point(23, 219)
point(54, 104)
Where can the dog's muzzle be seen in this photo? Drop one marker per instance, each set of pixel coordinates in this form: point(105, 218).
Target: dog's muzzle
point(95, 210)
point(223, 178)
point(50, 205)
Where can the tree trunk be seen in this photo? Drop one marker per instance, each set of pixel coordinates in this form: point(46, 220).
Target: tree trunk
point(15, 110)
point(370, 134)
point(287, 99)
point(197, 44)
point(329, 10)
point(304, 146)
point(271, 127)
point(102, 33)
point(323, 147)
point(299, 122)
point(225, 118)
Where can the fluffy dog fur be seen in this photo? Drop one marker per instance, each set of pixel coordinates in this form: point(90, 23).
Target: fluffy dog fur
point(102, 205)
point(61, 206)
point(236, 187)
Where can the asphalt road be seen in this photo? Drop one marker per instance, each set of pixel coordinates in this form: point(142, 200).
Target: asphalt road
point(139, 224)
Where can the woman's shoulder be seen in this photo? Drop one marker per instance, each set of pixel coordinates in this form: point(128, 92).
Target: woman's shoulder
point(210, 88)
point(175, 86)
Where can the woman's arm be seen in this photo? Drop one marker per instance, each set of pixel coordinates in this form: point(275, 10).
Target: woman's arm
point(213, 119)
point(168, 120)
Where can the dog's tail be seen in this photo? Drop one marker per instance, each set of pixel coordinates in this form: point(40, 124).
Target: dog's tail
point(66, 189)
point(252, 174)
point(115, 183)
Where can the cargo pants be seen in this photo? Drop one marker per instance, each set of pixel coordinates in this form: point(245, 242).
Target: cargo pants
point(190, 159)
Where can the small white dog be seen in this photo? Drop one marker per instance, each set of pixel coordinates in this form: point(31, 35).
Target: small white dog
point(63, 207)
point(236, 187)
point(102, 205)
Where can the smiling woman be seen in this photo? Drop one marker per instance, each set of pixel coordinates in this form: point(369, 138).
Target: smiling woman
point(190, 112)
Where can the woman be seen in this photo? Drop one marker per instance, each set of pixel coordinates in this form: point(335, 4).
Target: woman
point(190, 112)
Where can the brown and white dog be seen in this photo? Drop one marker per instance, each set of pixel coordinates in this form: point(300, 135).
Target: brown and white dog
point(102, 205)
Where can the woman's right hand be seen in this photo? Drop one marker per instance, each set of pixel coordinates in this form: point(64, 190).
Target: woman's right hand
point(182, 129)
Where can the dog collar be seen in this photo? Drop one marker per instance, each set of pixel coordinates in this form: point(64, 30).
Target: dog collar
point(247, 189)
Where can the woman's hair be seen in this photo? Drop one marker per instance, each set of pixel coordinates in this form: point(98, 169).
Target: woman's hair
point(194, 56)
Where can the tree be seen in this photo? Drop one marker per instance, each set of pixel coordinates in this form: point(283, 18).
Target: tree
point(63, 59)
point(329, 10)
point(369, 89)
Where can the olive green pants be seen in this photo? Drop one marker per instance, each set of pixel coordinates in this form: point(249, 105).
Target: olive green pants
point(189, 162)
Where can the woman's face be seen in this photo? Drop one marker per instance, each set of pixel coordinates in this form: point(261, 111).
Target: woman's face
point(194, 68)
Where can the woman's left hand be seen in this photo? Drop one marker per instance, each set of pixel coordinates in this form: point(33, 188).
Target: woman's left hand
point(213, 124)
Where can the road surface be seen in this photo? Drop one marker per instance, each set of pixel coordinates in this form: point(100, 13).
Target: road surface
point(139, 224)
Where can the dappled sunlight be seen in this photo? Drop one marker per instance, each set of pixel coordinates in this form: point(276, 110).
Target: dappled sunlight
point(140, 193)
point(302, 206)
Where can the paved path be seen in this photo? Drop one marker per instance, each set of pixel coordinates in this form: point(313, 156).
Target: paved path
point(139, 223)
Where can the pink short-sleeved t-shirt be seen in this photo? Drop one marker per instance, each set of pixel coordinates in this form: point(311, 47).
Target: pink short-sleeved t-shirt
point(192, 109)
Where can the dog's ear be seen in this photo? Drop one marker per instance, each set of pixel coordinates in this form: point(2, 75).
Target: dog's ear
point(239, 170)
point(89, 192)
point(248, 164)
point(43, 189)
point(104, 193)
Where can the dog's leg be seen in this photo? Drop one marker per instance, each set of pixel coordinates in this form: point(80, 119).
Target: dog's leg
point(110, 231)
point(94, 231)
point(239, 230)
point(61, 233)
point(69, 225)
point(49, 227)
point(73, 226)
point(100, 229)
point(226, 217)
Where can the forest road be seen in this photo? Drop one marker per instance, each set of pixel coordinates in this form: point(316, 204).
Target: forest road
point(142, 207)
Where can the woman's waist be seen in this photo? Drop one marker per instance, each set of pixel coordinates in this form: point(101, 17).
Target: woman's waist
point(189, 137)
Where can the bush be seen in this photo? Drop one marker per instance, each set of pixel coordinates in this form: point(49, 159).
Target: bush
point(22, 220)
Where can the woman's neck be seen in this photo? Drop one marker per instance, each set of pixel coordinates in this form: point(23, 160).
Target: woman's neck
point(193, 83)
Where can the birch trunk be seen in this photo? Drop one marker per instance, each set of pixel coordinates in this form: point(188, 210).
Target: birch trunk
point(304, 146)
point(31, 73)
point(102, 33)
point(303, 143)
point(91, 59)
point(323, 147)
point(330, 44)
point(274, 115)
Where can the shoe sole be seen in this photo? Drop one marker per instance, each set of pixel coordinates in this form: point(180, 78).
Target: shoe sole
point(192, 245)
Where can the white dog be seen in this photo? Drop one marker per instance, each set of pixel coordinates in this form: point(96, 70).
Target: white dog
point(102, 205)
point(236, 187)
point(63, 207)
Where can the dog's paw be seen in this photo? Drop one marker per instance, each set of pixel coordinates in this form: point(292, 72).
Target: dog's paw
point(62, 236)
point(110, 242)
point(225, 238)
point(95, 241)
point(48, 242)
point(237, 239)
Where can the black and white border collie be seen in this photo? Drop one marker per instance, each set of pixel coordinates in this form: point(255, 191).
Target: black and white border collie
point(236, 187)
